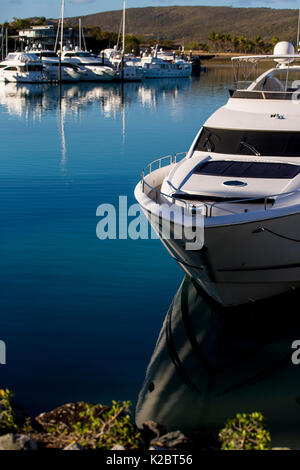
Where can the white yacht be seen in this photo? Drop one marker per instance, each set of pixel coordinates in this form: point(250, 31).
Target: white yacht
point(69, 72)
point(156, 67)
point(96, 71)
point(242, 173)
point(22, 67)
point(132, 71)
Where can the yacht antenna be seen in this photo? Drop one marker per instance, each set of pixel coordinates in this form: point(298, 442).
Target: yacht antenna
point(298, 32)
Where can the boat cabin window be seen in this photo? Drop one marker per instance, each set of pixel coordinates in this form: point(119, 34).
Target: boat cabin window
point(83, 54)
point(246, 142)
point(49, 54)
point(14, 69)
point(34, 68)
point(247, 169)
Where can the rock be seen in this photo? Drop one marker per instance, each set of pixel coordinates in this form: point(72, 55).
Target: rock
point(17, 442)
point(118, 447)
point(152, 431)
point(64, 417)
point(159, 448)
point(280, 448)
point(174, 440)
point(74, 446)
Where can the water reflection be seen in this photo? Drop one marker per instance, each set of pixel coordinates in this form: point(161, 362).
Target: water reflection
point(22, 99)
point(211, 363)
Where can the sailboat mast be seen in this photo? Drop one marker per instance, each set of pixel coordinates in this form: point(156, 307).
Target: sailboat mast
point(124, 20)
point(61, 39)
point(62, 26)
point(2, 42)
point(80, 33)
point(298, 33)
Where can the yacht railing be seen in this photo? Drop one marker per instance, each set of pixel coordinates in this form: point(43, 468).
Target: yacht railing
point(161, 163)
point(209, 207)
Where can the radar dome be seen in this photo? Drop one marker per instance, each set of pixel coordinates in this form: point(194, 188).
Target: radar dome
point(284, 48)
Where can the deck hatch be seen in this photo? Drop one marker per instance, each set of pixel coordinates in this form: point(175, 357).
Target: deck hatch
point(247, 169)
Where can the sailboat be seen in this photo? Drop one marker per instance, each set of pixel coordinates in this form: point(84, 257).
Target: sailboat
point(125, 64)
point(82, 59)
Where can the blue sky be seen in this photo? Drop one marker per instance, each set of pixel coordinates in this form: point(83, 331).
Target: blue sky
point(51, 8)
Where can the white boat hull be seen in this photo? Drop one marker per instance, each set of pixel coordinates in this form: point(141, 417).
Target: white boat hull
point(148, 73)
point(238, 263)
point(23, 78)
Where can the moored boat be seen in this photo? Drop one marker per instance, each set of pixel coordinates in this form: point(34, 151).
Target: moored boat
point(239, 186)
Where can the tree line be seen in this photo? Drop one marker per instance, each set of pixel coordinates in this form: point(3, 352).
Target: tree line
point(225, 42)
point(97, 39)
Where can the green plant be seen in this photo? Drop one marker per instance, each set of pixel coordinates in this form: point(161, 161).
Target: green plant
point(7, 416)
point(100, 427)
point(245, 432)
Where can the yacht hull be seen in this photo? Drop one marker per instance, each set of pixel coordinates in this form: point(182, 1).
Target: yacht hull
point(239, 263)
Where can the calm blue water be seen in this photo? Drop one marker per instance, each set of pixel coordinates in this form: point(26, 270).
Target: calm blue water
point(80, 316)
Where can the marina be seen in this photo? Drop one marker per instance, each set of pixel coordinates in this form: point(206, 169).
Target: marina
point(149, 200)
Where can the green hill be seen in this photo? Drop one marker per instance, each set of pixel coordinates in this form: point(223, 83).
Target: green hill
point(196, 22)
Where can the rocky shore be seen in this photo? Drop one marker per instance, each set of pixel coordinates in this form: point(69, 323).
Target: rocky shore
point(85, 426)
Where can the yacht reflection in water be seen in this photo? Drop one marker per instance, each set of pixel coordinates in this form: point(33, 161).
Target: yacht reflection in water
point(210, 363)
point(23, 99)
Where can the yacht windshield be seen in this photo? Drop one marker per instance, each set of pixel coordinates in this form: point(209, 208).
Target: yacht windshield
point(246, 142)
point(83, 54)
point(49, 54)
point(280, 80)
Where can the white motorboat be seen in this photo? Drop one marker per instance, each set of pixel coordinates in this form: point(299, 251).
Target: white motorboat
point(69, 72)
point(156, 67)
point(131, 72)
point(242, 173)
point(22, 67)
point(96, 71)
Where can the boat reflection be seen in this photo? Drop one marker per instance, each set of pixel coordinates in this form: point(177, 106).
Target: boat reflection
point(25, 99)
point(210, 363)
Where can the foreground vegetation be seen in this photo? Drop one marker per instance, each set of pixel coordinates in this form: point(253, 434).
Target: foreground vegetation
point(100, 427)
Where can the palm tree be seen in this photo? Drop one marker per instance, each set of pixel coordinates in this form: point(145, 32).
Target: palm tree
point(258, 43)
point(212, 37)
point(234, 42)
point(242, 42)
point(275, 40)
point(220, 40)
point(227, 39)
